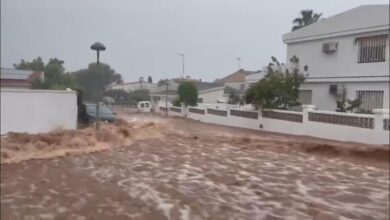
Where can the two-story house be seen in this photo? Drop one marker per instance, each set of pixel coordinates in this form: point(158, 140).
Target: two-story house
point(347, 53)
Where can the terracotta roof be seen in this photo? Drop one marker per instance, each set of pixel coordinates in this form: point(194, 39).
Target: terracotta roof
point(238, 76)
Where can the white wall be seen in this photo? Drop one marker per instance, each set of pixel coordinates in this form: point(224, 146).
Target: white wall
point(325, 101)
point(211, 96)
point(347, 133)
point(282, 126)
point(36, 111)
point(308, 128)
point(344, 62)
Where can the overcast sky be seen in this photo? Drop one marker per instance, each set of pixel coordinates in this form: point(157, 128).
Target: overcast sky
point(143, 36)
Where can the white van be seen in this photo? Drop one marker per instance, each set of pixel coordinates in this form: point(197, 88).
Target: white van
point(144, 106)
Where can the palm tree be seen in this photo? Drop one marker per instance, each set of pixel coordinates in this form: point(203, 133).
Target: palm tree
point(307, 17)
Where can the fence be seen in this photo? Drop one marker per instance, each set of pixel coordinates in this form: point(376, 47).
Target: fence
point(36, 111)
point(364, 128)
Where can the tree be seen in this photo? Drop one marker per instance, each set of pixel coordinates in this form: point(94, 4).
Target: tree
point(55, 76)
point(138, 96)
point(307, 17)
point(150, 80)
point(162, 82)
point(120, 96)
point(35, 65)
point(234, 99)
point(347, 105)
point(176, 102)
point(278, 89)
point(95, 79)
point(188, 93)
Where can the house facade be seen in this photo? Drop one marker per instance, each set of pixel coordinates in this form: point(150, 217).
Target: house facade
point(344, 55)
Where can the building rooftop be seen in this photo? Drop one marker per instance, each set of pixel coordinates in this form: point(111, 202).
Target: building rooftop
point(19, 78)
point(207, 85)
point(8, 73)
point(362, 19)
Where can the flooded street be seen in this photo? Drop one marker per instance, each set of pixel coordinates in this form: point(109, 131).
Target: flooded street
point(201, 171)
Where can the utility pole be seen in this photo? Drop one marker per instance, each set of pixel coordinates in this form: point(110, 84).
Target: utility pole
point(182, 55)
point(239, 62)
point(141, 79)
point(166, 98)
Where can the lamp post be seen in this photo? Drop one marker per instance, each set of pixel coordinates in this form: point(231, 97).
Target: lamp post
point(98, 47)
point(182, 55)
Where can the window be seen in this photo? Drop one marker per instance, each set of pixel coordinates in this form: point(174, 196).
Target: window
point(371, 99)
point(372, 49)
point(304, 97)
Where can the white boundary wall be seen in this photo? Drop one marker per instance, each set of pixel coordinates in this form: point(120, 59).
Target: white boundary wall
point(36, 111)
point(298, 123)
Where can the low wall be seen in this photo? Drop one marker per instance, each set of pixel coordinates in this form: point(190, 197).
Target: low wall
point(36, 111)
point(363, 128)
point(288, 122)
point(175, 111)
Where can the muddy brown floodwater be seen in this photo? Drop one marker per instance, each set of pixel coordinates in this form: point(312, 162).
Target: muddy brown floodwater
point(201, 171)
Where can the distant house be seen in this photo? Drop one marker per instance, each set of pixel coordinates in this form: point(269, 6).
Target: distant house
point(207, 92)
point(134, 86)
point(21, 79)
point(254, 78)
point(347, 53)
point(237, 82)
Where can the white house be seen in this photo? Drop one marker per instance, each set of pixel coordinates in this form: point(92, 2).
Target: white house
point(134, 86)
point(254, 78)
point(207, 92)
point(345, 53)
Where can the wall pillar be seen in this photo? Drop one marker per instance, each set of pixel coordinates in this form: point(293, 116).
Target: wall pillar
point(379, 115)
point(306, 109)
point(183, 110)
point(305, 118)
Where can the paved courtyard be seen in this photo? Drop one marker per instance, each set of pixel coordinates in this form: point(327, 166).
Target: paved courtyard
point(201, 171)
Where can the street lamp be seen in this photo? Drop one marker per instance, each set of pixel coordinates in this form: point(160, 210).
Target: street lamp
point(182, 55)
point(98, 47)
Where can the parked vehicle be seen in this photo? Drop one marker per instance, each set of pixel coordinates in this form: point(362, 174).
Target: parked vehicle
point(105, 113)
point(144, 106)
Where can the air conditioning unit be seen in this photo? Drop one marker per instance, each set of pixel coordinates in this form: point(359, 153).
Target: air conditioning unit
point(336, 90)
point(329, 47)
